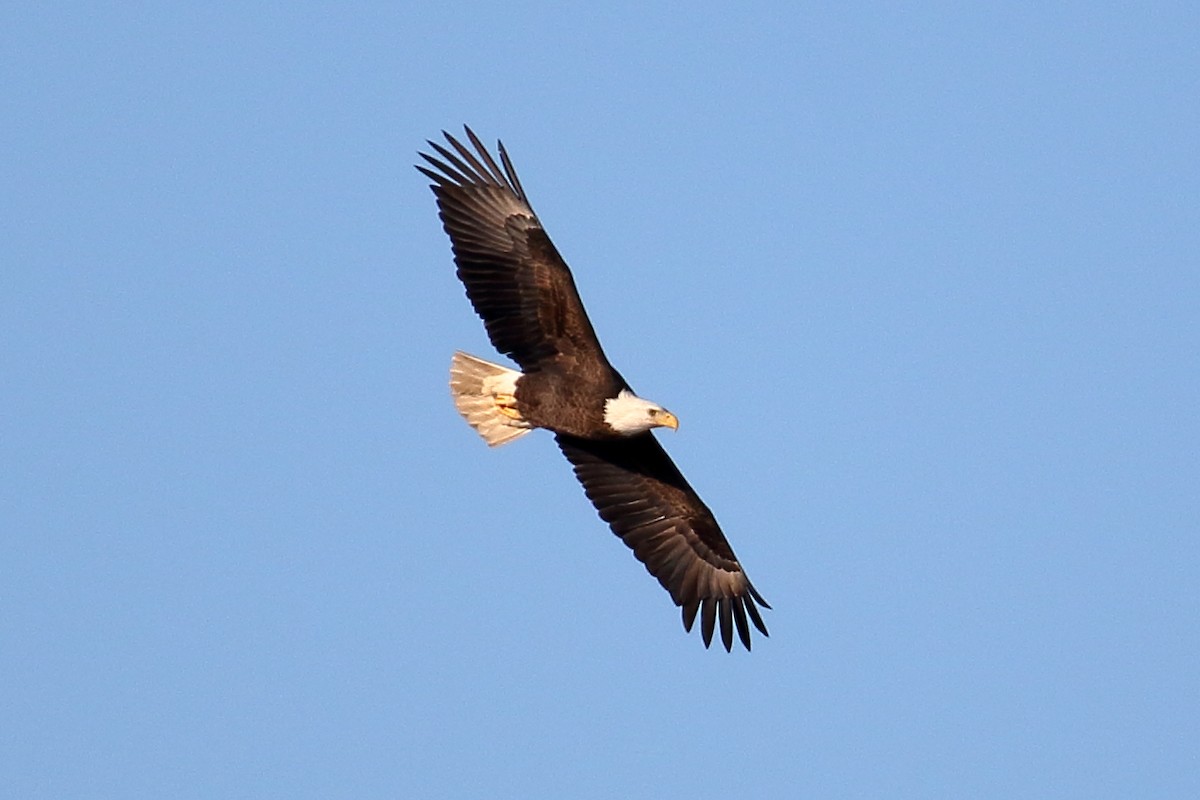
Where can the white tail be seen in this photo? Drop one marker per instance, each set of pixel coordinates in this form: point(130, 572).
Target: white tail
point(484, 394)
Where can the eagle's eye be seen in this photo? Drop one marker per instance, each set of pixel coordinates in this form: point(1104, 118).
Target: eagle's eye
point(654, 412)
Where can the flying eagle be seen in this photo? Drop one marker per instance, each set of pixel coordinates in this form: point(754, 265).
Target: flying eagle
point(522, 289)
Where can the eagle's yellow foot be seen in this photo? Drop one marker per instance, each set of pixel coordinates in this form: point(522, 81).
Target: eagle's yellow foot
point(506, 404)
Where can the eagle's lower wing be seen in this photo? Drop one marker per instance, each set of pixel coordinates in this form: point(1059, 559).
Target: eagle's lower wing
point(516, 280)
point(644, 498)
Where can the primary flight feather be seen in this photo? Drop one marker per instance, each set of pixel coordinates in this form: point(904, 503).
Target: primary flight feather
point(523, 291)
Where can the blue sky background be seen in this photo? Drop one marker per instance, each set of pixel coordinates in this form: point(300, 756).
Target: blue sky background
point(922, 286)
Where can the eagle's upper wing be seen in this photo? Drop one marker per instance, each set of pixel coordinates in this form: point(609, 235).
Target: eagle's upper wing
point(516, 280)
point(644, 498)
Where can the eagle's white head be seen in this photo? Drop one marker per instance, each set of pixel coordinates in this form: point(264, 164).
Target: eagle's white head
point(628, 414)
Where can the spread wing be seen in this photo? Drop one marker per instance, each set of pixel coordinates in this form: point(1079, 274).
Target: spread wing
point(644, 498)
point(516, 280)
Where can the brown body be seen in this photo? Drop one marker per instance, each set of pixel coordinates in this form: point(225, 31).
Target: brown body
point(563, 403)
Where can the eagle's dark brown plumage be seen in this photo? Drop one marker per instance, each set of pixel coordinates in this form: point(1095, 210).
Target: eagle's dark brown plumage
point(523, 290)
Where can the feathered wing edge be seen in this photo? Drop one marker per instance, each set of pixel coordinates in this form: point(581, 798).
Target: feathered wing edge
point(517, 282)
point(468, 170)
point(644, 498)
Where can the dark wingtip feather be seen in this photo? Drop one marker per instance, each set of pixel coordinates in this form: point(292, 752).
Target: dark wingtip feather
point(485, 155)
point(754, 615)
point(465, 175)
point(511, 171)
point(457, 173)
point(726, 624)
point(739, 617)
point(487, 169)
point(754, 593)
point(464, 159)
point(708, 620)
point(689, 614)
point(440, 180)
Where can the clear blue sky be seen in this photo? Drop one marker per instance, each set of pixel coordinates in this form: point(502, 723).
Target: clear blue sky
point(922, 286)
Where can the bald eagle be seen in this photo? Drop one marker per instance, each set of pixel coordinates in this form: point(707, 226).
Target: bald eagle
point(523, 290)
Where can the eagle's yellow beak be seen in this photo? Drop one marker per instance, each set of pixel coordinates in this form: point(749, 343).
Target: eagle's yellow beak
point(666, 419)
